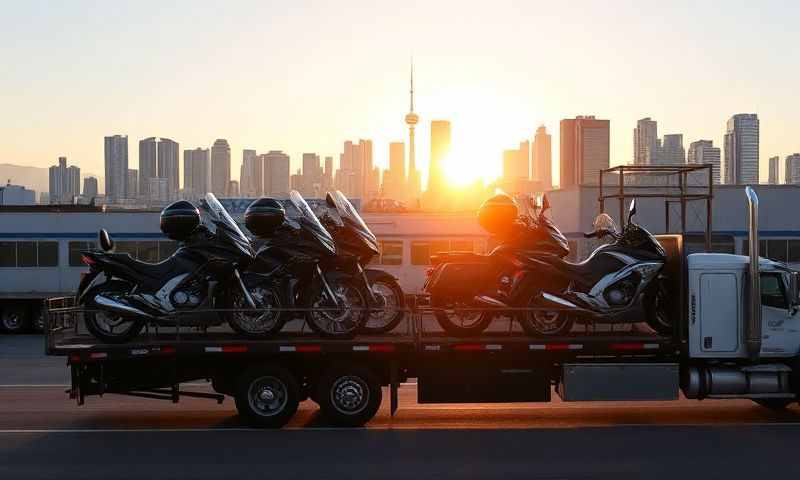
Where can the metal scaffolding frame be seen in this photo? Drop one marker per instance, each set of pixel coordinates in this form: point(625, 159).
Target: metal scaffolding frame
point(671, 191)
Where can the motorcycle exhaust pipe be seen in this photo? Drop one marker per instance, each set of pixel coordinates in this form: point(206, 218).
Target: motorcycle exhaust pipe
point(119, 307)
point(564, 304)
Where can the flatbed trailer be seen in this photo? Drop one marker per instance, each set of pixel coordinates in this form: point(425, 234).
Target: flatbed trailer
point(345, 376)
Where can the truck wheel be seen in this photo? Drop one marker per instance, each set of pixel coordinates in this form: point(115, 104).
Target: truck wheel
point(14, 318)
point(349, 395)
point(267, 396)
point(776, 404)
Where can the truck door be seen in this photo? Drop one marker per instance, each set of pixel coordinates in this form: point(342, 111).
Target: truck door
point(780, 327)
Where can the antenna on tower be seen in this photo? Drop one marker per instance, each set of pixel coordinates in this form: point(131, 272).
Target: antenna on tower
point(412, 84)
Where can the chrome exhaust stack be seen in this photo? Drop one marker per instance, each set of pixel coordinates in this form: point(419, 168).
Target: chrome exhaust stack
point(119, 307)
point(752, 332)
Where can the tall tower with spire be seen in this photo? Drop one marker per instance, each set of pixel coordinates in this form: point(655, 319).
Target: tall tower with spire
point(414, 181)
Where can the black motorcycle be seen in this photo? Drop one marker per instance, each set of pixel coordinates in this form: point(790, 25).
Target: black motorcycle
point(202, 275)
point(467, 290)
point(299, 259)
point(356, 245)
point(619, 282)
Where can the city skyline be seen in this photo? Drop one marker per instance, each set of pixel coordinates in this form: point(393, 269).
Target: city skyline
point(457, 79)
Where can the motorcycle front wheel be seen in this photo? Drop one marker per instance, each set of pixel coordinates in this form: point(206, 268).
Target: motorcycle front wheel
point(656, 309)
point(390, 309)
point(108, 326)
point(544, 323)
point(266, 320)
point(340, 317)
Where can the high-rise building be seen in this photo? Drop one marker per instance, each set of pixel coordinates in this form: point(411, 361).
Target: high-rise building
point(414, 188)
point(584, 146)
point(516, 161)
point(357, 176)
point(672, 152)
point(792, 169)
point(251, 176)
point(89, 187)
point(327, 175)
point(645, 142)
point(703, 151)
point(233, 188)
point(158, 189)
point(774, 176)
point(541, 161)
point(394, 179)
point(220, 167)
point(276, 174)
point(133, 183)
point(741, 149)
point(158, 158)
point(440, 148)
point(116, 167)
point(65, 182)
point(311, 184)
point(195, 173)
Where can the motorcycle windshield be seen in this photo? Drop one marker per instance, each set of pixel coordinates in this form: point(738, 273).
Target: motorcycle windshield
point(553, 234)
point(224, 226)
point(353, 221)
point(310, 223)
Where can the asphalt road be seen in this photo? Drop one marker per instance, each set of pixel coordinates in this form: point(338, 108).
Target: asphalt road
point(45, 435)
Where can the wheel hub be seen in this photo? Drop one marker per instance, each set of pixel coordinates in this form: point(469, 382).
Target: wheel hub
point(350, 395)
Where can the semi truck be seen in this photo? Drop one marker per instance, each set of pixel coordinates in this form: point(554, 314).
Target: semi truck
point(736, 335)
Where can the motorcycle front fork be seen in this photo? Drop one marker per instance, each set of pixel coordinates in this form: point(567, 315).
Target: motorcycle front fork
point(326, 287)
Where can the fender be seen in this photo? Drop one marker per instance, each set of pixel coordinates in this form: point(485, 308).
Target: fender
point(87, 282)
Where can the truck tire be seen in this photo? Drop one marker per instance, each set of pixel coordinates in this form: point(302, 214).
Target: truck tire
point(267, 396)
point(14, 318)
point(348, 395)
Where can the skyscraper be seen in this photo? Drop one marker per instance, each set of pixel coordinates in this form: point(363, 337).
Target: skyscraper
point(168, 166)
point(440, 148)
point(774, 170)
point(703, 151)
point(541, 161)
point(220, 167)
point(311, 184)
point(65, 182)
point(133, 183)
point(89, 187)
point(158, 158)
point(792, 169)
point(672, 152)
point(414, 187)
point(356, 176)
point(394, 179)
point(116, 167)
point(741, 149)
point(645, 142)
point(516, 162)
point(195, 172)
point(327, 175)
point(276, 174)
point(251, 177)
point(584, 146)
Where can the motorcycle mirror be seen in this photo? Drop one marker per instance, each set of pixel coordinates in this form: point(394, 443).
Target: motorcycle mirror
point(329, 200)
point(106, 243)
point(631, 210)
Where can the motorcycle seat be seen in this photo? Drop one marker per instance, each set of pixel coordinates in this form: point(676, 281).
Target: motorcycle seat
point(154, 270)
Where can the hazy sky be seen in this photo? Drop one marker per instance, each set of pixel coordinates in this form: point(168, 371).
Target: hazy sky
point(305, 76)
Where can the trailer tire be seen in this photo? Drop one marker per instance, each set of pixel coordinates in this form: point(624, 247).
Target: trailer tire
point(267, 396)
point(14, 318)
point(775, 404)
point(348, 395)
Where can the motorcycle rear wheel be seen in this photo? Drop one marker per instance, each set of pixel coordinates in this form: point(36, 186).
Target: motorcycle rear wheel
point(256, 324)
point(103, 324)
point(459, 321)
point(656, 310)
point(391, 312)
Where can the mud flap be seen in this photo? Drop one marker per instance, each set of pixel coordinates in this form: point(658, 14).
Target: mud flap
point(393, 386)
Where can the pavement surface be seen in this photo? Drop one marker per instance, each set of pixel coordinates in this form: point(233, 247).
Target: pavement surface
point(43, 434)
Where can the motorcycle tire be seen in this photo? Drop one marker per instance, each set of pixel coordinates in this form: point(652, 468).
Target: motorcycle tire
point(384, 322)
point(243, 322)
point(93, 318)
point(536, 324)
point(656, 311)
point(476, 323)
point(320, 314)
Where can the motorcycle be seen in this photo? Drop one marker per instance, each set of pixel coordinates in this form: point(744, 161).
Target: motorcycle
point(468, 290)
point(619, 282)
point(297, 251)
point(202, 274)
point(356, 246)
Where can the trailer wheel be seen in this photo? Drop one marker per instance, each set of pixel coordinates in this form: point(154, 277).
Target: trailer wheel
point(776, 404)
point(349, 395)
point(14, 318)
point(267, 396)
